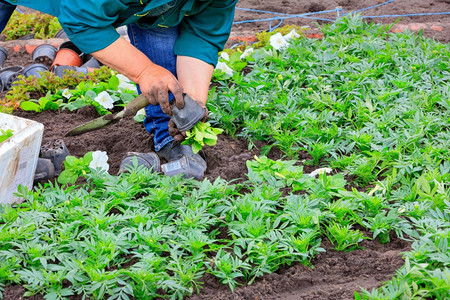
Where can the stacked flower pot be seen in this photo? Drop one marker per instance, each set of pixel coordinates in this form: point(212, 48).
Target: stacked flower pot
point(46, 57)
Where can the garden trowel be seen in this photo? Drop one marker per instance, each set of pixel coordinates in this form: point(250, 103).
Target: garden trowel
point(185, 118)
point(130, 111)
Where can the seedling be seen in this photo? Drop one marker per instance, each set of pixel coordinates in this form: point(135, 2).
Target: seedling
point(77, 167)
point(200, 135)
point(343, 237)
point(227, 268)
point(44, 103)
point(383, 223)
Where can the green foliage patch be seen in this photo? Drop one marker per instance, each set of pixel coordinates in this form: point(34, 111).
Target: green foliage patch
point(43, 26)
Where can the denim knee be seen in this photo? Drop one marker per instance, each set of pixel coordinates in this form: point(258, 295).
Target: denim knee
point(157, 44)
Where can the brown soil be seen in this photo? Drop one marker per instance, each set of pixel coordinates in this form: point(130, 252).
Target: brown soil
point(334, 275)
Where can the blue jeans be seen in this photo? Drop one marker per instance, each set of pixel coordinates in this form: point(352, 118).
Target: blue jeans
point(6, 11)
point(158, 45)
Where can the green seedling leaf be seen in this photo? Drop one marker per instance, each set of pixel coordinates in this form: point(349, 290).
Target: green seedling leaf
point(47, 104)
point(201, 134)
point(210, 142)
point(75, 168)
point(76, 104)
point(127, 97)
point(139, 118)
point(30, 106)
point(196, 147)
point(113, 82)
point(90, 95)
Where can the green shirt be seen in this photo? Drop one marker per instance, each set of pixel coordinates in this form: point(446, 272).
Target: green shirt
point(204, 25)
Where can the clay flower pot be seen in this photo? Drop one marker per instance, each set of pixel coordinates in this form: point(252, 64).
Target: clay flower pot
point(3, 56)
point(66, 57)
point(44, 54)
point(69, 45)
point(8, 76)
point(34, 70)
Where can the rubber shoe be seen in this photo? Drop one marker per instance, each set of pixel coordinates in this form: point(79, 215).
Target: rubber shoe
point(182, 160)
point(148, 160)
point(174, 150)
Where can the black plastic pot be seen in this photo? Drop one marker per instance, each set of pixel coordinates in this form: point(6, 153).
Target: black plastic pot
point(44, 170)
point(17, 69)
point(59, 70)
point(61, 34)
point(8, 76)
point(3, 56)
point(34, 70)
point(57, 152)
point(44, 54)
point(92, 62)
point(29, 36)
point(189, 115)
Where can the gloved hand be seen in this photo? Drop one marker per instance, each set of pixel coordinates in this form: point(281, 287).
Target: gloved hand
point(178, 135)
point(156, 82)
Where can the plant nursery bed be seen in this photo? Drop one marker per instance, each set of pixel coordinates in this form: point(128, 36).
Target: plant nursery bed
point(332, 275)
point(376, 114)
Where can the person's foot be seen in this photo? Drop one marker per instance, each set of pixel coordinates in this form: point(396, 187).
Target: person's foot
point(148, 160)
point(182, 160)
point(174, 150)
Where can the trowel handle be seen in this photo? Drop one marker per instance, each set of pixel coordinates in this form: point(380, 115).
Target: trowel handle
point(135, 105)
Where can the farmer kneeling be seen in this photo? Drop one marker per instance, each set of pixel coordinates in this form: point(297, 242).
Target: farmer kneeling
point(174, 48)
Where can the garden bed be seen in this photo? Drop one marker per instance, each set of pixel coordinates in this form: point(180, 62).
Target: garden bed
point(331, 274)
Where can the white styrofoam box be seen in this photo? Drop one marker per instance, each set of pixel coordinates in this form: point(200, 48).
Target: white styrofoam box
point(18, 155)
